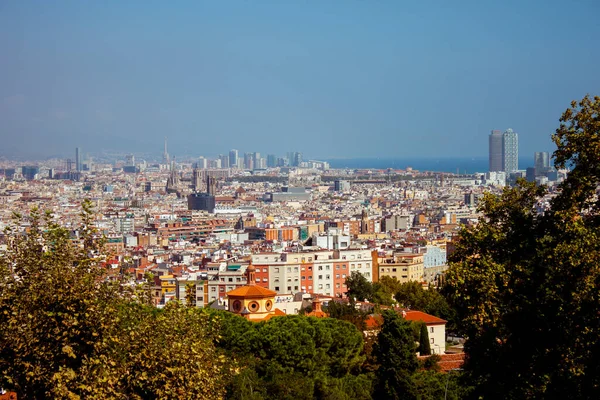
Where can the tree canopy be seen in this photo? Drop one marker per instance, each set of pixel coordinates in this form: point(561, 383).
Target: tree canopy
point(525, 280)
point(67, 332)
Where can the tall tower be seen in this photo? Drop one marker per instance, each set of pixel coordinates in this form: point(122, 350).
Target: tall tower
point(196, 180)
point(364, 222)
point(510, 151)
point(166, 153)
point(496, 163)
point(233, 158)
point(541, 162)
point(78, 159)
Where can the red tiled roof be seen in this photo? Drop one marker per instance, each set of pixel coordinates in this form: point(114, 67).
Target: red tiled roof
point(421, 316)
point(251, 292)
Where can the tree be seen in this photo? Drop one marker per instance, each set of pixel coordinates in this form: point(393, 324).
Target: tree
point(396, 355)
point(347, 312)
point(384, 290)
point(67, 332)
point(411, 295)
point(359, 287)
point(525, 283)
point(424, 347)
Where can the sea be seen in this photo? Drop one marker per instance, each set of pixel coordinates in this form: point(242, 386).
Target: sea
point(460, 165)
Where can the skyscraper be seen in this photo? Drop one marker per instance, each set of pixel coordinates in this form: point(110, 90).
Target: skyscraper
point(510, 151)
point(165, 153)
point(78, 165)
point(224, 158)
point(233, 158)
point(541, 162)
point(496, 162)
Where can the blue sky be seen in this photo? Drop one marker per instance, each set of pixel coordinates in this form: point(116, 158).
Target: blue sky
point(328, 78)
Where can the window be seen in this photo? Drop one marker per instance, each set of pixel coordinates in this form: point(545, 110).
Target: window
point(238, 279)
point(265, 270)
point(213, 289)
point(328, 267)
point(289, 288)
point(265, 280)
point(327, 286)
point(393, 269)
point(303, 259)
point(327, 276)
point(337, 276)
point(295, 269)
point(276, 280)
point(276, 269)
point(310, 259)
point(337, 267)
point(303, 278)
point(344, 276)
point(310, 278)
point(277, 288)
point(337, 285)
point(310, 288)
point(310, 268)
point(431, 340)
point(295, 287)
point(230, 279)
point(359, 256)
point(221, 289)
point(431, 329)
point(320, 268)
point(320, 276)
point(320, 286)
point(289, 269)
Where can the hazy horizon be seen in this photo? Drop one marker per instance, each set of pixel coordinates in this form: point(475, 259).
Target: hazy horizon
point(334, 79)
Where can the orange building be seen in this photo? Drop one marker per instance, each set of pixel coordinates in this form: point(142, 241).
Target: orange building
point(253, 302)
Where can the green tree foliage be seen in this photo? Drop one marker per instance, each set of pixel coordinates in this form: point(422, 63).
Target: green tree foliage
point(526, 285)
point(384, 290)
point(293, 357)
point(424, 347)
point(347, 312)
point(411, 295)
point(396, 355)
point(69, 333)
point(359, 288)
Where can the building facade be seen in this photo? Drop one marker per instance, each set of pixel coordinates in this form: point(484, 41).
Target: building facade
point(510, 151)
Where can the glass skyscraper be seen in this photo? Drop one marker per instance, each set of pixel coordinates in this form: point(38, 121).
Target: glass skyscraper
point(496, 163)
point(510, 151)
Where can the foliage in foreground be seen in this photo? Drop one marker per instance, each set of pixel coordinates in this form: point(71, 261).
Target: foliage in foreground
point(526, 283)
point(68, 333)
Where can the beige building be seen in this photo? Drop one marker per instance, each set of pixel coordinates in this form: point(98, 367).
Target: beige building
point(405, 267)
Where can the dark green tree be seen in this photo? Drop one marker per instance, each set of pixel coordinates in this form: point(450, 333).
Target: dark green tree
point(347, 312)
point(396, 355)
point(526, 283)
point(359, 287)
point(424, 347)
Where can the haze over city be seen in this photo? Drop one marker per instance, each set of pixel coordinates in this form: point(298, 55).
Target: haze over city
point(329, 79)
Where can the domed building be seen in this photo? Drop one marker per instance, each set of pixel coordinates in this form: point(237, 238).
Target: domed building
point(253, 302)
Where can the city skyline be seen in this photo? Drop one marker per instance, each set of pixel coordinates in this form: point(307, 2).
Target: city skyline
point(364, 81)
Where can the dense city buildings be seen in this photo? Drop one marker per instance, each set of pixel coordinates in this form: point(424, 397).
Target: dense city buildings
point(304, 227)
